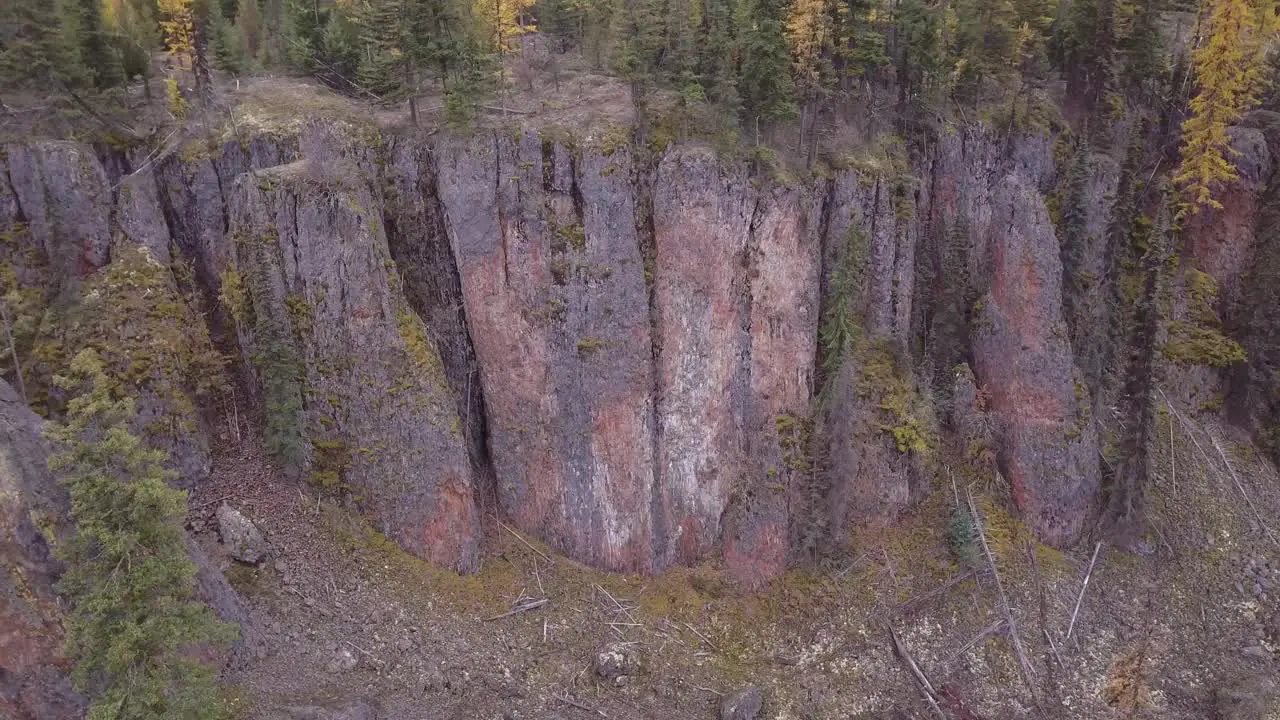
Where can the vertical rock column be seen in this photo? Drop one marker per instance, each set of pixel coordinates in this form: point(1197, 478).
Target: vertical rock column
point(702, 214)
point(1046, 445)
point(553, 284)
point(782, 279)
point(372, 413)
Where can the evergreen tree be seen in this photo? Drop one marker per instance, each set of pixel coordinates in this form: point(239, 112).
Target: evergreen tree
point(1091, 50)
point(717, 62)
point(918, 29)
point(809, 32)
point(134, 25)
point(1140, 49)
point(201, 34)
point(36, 50)
point(1137, 400)
point(641, 30)
point(248, 27)
point(97, 51)
point(386, 58)
point(229, 54)
point(858, 39)
point(765, 82)
point(128, 577)
point(994, 39)
point(306, 23)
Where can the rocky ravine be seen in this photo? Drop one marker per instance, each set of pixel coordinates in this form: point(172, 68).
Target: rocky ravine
point(620, 354)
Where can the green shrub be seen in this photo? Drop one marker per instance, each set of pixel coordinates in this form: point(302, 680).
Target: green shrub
point(129, 580)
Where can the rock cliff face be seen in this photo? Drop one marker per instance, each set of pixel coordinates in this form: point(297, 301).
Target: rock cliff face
point(31, 681)
point(643, 361)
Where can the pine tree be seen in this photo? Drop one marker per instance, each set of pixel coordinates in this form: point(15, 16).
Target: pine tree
point(1091, 50)
point(505, 20)
point(765, 82)
point(717, 62)
point(1137, 400)
point(229, 54)
point(809, 33)
point(37, 50)
point(641, 29)
point(1140, 49)
point(98, 53)
point(1073, 236)
point(306, 22)
point(386, 60)
point(248, 26)
point(128, 577)
point(134, 26)
point(1230, 70)
point(919, 32)
point(201, 36)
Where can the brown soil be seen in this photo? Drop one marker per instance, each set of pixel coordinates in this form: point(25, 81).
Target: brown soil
point(1154, 637)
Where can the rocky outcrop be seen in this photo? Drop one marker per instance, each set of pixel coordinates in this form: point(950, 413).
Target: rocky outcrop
point(65, 220)
point(1046, 445)
point(620, 354)
point(243, 539)
point(553, 287)
point(354, 389)
point(64, 202)
point(32, 683)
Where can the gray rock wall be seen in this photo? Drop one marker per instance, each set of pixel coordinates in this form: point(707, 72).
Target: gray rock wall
point(622, 357)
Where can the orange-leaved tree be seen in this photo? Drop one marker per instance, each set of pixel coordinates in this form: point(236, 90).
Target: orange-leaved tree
point(1230, 67)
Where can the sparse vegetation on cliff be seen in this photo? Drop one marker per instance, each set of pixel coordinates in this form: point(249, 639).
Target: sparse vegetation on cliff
point(1199, 340)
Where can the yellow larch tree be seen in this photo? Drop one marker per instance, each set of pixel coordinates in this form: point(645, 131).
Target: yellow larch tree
point(505, 20)
point(1230, 67)
point(177, 22)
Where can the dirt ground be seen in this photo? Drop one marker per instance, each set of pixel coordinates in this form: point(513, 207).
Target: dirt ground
point(344, 614)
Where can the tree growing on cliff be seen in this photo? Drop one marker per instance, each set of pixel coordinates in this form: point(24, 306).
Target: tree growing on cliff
point(1137, 400)
point(1230, 67)
point(130, 582)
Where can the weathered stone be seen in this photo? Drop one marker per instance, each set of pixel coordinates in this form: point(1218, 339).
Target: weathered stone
point(63, 193)
point(241, 537)
point(376, 414)
point(343, 661)
point(742, 705)
point(782, 258)
point(31, 683)
point(551, 274)
point(617, 660)
point(1046, 444)
point(213, 590)
point(702, 215)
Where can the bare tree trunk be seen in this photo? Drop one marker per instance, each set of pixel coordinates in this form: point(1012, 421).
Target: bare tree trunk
point(13, 352)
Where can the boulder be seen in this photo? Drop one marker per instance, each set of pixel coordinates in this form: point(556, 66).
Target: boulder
point(617, 660)
point(241, 537)
point(742, 705)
